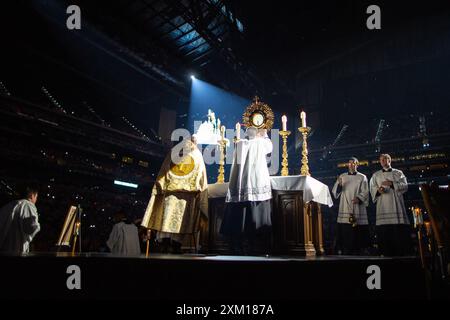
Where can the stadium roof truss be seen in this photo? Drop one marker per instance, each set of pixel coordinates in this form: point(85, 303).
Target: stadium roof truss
point(194, 29)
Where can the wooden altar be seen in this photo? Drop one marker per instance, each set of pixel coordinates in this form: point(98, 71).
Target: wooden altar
point(296, 216)
point(297, 226)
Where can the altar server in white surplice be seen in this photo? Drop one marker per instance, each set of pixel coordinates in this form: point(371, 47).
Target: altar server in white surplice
point(124, 238)
point(387, 187)
point(19, 223)
point(352, 188)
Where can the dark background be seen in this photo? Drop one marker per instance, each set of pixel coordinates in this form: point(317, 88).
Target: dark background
point(134, 58)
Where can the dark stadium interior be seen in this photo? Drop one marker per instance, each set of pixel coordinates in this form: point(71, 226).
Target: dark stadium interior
point(316, 55)
point(81, 109)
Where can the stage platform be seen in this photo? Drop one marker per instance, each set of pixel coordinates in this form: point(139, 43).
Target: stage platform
point(209, 278)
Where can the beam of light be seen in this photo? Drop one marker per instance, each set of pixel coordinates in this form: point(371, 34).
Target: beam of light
point(125, 184)
point(227, 106)
point(193, 77)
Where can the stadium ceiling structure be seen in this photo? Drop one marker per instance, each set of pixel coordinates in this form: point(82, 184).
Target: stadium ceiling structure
point(200, 34)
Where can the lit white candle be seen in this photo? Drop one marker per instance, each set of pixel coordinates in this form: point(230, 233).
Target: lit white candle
point(222, 131)
point(218, 123)
point(284, 122)
point(238, 130)
point(303, 117)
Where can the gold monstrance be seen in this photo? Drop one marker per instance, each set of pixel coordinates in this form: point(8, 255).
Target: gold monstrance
point(258, 115)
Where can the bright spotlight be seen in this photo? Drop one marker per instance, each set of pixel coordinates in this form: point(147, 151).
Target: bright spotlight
point(192, 77)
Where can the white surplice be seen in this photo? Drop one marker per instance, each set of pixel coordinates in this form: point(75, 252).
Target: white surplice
point(353, 186)
point(390, 204)
point(19, 224)
point(249, 177)
point(124, 239)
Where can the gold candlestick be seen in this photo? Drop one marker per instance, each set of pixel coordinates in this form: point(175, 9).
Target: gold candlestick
point(418, 223)
point(77, 233)
point(305, 168)
point(221, 176)
point(222, 148)
point(284, 163)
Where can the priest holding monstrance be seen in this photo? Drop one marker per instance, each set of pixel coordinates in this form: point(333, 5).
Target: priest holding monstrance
point(248, 213)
